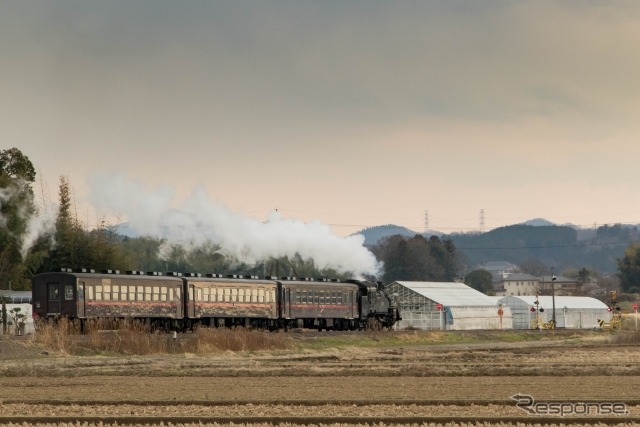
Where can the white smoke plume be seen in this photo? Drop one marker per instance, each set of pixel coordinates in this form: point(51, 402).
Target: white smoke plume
point(37, 224)
point(198, 220)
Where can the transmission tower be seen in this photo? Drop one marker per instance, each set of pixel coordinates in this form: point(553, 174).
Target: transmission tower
point(482, 220)
point(426, 221)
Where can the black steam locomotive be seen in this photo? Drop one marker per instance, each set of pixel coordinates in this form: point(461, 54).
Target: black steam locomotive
point(179, 302)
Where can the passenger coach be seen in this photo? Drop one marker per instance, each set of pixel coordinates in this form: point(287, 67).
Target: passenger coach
point(84, 295)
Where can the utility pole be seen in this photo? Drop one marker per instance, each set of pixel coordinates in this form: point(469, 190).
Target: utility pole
point(426, 221)
point(553, 297)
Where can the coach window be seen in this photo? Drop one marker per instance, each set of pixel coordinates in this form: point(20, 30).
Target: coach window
point(156, 293)
point(99, 293)
point(89, 293)
point(339, 298)
point(163, 294)
point(321, 297)
point(54, 291)
point(240, 295)
point(316, 297)
point(132, 293)
point(147, 294)
point(106, 292)
point(140, 293)
point(68, 292)
point(199, 294)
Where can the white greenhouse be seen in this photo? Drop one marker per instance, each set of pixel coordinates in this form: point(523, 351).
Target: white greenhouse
point(571, 312)
point(447, 306)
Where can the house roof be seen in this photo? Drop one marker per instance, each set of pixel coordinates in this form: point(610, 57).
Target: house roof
point(559, 279)
point(450, 294)
point(520, 277)
point(546, 301)
point(498, 266)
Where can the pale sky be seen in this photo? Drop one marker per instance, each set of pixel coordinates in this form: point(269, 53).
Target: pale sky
point(350, 113)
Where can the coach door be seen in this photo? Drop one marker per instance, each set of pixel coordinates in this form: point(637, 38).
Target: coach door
point(191, 303)
point(54, 293)
point(177, 299)
point(351, 297)
point(286, 303)
point(80, 306)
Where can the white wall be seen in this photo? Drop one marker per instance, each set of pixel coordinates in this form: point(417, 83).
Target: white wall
point(25, 309)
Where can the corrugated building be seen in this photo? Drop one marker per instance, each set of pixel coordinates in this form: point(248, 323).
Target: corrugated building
point(447, 306)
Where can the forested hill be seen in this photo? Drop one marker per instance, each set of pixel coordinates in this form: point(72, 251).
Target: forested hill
point(559, 246)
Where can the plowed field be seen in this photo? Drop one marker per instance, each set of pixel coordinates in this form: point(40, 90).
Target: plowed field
point(407, 385)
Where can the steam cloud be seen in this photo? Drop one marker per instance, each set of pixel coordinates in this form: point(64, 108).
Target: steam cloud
point(37, 225)
point(197, 220)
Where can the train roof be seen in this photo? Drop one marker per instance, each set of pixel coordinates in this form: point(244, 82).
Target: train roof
point(108, 274)
point(319, 283)
point(193, 277)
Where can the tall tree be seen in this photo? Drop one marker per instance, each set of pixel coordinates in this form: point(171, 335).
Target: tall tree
point(16, 209)
point(66, 235)
point(629, 269)
point(480, 280)
point(417, 259)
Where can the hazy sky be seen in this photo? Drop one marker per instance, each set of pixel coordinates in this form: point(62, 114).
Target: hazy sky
point(351, 113)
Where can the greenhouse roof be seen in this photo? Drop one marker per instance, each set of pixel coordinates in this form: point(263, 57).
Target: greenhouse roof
point(546, 301)
point(450, 294)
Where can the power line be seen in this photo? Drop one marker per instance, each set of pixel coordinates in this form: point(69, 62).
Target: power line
point(577, 245)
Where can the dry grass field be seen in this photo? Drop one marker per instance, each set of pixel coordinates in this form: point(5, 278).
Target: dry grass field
point(225, 377)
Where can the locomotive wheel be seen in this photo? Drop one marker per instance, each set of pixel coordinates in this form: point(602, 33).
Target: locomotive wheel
point(373, 324)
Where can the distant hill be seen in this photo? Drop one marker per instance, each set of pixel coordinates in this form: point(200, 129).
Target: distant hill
point(538, 222)
point(373, 234)
point(123, 229)
point(560, 246)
